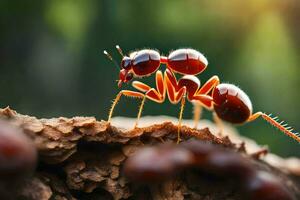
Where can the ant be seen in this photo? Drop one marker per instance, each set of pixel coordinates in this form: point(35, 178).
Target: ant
point(227, 101)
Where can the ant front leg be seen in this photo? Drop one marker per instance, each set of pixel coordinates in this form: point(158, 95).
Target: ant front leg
point(157, 95)
point(117, 99)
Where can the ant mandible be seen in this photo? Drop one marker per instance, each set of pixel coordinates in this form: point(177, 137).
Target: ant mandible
point(227, 101)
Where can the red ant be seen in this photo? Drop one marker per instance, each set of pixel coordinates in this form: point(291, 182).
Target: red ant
point(228, 102)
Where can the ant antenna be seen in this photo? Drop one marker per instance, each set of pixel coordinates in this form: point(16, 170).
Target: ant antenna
point(111, 58)
point(120, 50)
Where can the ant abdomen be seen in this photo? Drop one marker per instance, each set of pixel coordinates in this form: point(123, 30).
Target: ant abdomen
point(145, 62)
point(187, 61)
point(231, 103)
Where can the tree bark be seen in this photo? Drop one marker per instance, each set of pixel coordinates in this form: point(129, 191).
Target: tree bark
point(82, 158)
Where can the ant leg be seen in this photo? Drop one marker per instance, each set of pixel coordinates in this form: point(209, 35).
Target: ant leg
point(152, 95)
point(182, 96)
point(115, 102)
point(209, 85)
point(254, 116)
point(205, 100)
point(117, 99)
point(169, 75)
point(283, 127)
point(141, 86)
point(175, 97)
point(180, 118)
point(170, 91)
point(197, 113)
point(157, 96)
point(160, 84)
point(218, 122)
point(140, 111)
point(174, 94)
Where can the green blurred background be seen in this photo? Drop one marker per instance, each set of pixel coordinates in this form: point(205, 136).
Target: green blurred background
point(52, 63)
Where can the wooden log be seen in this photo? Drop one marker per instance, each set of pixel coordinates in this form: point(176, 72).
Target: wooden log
point(82, 158)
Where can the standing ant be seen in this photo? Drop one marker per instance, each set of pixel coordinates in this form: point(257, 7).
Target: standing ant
point(227, 101)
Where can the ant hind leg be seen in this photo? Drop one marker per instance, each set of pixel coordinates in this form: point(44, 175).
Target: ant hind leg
point(197, 113)
point(282, 126)
point(209, 85)
point(219, 123)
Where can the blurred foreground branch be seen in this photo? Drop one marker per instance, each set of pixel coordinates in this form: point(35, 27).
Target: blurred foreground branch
point(82, 158)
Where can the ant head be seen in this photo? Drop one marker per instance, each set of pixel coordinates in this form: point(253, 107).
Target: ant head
point(125, 76)
point(126, 73)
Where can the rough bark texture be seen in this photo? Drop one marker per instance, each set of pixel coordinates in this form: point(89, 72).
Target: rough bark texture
point(82, 158)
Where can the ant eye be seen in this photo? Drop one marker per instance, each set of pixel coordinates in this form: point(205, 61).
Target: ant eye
point(126, 63)
point(129, 77)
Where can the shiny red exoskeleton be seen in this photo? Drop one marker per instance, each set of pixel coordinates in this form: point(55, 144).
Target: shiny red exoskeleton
point(228, 102)
point(146, 62)
point(233, 105)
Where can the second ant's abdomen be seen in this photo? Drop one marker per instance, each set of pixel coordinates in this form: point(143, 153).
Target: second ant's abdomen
point(187, 61)
point(231, 103)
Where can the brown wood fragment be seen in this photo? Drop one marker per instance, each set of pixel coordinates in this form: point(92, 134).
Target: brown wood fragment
point(82, 158)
